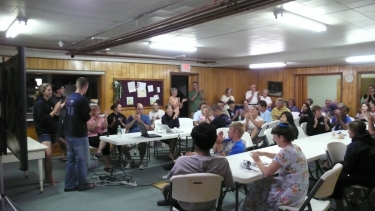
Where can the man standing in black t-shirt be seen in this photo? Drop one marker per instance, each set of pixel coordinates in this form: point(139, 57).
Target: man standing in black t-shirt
point(220, 120)
point(77, 115)
point(59, 91)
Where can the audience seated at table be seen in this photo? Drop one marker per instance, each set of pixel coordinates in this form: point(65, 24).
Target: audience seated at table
point(372, 106)
point(96, 127)
point(221, 105)
point(204, 137)
point(329, 108)
point(292, 106)
point(155, 113)
point(305, 114)
point(220, 119)
point(233, 112)
point(309, 101)
point(171, 119)
point(287, 117)
point(361, 115)
point(290, 186)
point(280, 108)
point(340, 119)
point(359, 160)
point(370, 95)
point(198, 113)
point(318, 123)
point(266, 98)
point(253, 122)
point(175, 101)
point(227, 97)
point(245, 108)
point(233, 144)
point(115, 119)
point(264, 113)
point(131, 125)
point(206, 115)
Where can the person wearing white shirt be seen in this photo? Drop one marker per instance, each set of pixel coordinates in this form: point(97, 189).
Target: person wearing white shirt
point(253, 122)
point(266, 98)
point(197, 115)
point(252, 96)
point(155, 114)
point(225, 98)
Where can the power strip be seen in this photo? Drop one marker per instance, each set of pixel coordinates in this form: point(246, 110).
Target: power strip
point(129, 183)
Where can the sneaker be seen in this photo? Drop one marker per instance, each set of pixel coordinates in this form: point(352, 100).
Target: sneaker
point(129, 165)
point(163, 203)
point(141, 167)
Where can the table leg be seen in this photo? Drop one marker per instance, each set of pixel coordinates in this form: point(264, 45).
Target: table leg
point(40, 167)
point(237, 187)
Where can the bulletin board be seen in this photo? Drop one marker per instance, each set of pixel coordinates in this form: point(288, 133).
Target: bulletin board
point(141, 91)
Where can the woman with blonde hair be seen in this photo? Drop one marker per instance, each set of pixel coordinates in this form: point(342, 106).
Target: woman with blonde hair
point(253, 122)
point(228, 96)
point(45, 122)
point(175, 101)
point(206, 115)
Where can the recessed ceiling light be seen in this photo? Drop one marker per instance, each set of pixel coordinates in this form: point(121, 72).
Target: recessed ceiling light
point(16, 27)
point(172, 47)
point(299, 21)
point(367, 58)
point(267, 65)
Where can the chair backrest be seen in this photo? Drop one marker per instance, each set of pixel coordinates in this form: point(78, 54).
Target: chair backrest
point(269, 136)
point(351, 118)
point(197, 187)
point(304, 127)
point(336, 152)
point(295, 114)
point(325, 185)
point(157, 121)
point(273, 123)
point(225, 131)
point(301, 133)
point(262, 130)
point(246, 137)
point(186, 122)
point(296, 121)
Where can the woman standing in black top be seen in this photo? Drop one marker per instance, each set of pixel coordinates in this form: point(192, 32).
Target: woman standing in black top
point(370, 95)
point(170, 118)
point(305, 114)
point(45, 121)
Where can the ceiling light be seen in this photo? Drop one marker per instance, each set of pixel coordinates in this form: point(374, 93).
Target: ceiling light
point(368, 58)
point(267, 65)
point(299, 21)
point(172, 47)
point(61, 43)
point(16, 27)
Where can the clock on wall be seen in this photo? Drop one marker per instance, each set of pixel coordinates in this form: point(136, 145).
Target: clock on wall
point(349, 78)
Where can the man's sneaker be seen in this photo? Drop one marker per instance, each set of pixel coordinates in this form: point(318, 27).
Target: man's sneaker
point(129, 165)
point(141, 167)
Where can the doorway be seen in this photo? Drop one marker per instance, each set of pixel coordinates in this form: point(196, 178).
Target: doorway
point(181, 82)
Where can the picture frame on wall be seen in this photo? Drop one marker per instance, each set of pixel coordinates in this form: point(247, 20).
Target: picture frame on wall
point(275, 88)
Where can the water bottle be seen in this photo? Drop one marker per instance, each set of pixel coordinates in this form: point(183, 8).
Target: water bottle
point(119, 131)
point(239, 118)
point(362, 100)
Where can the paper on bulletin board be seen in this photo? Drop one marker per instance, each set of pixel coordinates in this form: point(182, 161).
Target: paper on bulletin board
point(150, 88)
point(141, 93)
point(141, 86)
point(130, 100)
point(158, 89)
point(152, 101)
point(156, 97)
point(131, 87)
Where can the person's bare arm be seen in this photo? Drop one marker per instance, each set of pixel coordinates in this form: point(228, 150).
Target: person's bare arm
point(270, 155)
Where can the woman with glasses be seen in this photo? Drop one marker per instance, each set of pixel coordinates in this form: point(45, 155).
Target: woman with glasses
point(289, 187)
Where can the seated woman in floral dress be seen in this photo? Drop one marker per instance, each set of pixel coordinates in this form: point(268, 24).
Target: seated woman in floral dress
point(290, 186)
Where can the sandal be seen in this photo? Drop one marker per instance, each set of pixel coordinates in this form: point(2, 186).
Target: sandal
point(90, 186)
point(98, 155)
point(109, 169)
point(63, 159)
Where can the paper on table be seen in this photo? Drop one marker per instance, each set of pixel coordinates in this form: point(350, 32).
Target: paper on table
point(141, 86)
point(156, 97)
point(141, 93)
point(158, 89)
point(130, 100)
point(150, 88)
point(131, 87)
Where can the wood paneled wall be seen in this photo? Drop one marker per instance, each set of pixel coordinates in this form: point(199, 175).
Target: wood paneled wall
point(213, 81)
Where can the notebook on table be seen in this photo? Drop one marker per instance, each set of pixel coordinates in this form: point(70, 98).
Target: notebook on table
point(144, 132)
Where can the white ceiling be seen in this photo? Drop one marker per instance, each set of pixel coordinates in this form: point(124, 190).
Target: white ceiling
point(234, 41)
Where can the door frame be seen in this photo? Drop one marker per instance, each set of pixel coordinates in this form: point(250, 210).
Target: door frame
point(191, 77)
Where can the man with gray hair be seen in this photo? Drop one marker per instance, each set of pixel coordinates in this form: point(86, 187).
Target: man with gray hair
point(279, 109)
point(252, 96)
point(220, 120)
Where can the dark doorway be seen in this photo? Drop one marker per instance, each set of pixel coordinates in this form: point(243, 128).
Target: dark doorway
point(181, 83)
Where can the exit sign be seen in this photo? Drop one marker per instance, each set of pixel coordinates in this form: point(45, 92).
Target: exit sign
point(185, 67)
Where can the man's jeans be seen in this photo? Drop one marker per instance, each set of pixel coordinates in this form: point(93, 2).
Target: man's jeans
point(77, 162)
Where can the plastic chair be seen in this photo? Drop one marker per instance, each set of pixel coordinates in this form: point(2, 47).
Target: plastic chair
point(225, 131)
point(186, 122)
point(295, 114)
point(269, 137)
point(304, 127)
point(296, 121)
point(196, 188)
point(322, 189)
point(247, 138)
point(335, 152)
point(273, 124)
point(301, 133)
